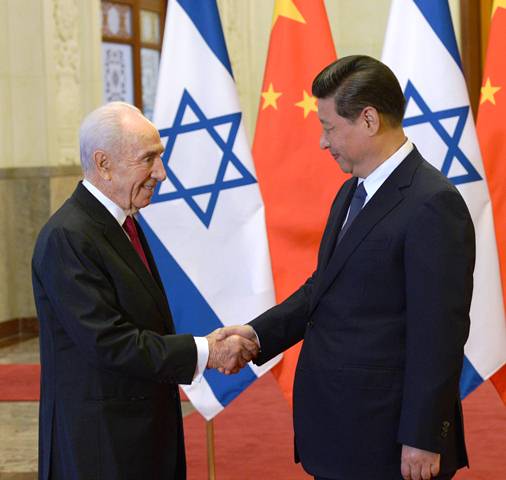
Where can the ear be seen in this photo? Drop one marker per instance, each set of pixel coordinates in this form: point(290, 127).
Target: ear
point(102, 163)
point(371, 119)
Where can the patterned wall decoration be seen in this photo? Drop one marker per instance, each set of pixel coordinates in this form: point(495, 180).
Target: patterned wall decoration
point(116, 20)
point(118, 72)
point(67, 58)
point(150, 60)
point(150, 27)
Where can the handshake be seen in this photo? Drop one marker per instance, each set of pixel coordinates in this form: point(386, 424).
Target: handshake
point(231, 348)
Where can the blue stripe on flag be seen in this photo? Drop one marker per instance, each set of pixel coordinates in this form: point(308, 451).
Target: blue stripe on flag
point(206, 18)
point(198, 320)
point(226, 388)
point(470, 379)
point(437, 13)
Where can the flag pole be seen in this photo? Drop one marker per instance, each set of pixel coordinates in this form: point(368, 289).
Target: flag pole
point(210, 450)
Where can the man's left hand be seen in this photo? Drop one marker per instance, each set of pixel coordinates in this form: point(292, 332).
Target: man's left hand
point(417, 464)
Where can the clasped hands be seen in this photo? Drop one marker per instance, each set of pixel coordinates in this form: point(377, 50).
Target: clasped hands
point(231, 348)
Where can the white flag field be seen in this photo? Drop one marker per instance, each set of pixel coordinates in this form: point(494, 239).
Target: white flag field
point(206, 222)
point(421, 49)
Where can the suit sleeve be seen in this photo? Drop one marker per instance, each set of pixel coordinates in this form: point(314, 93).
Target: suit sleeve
point(439, 262)
point(283, 325)
point(83, 300)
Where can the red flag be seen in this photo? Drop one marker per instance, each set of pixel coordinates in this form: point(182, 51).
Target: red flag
point(492, 137)
point(298, 181)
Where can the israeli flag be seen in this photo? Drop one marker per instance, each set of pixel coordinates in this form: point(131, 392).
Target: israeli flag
point(206, 224)
point(420, 47)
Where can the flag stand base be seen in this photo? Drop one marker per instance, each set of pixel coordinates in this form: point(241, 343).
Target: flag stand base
point(210, 450)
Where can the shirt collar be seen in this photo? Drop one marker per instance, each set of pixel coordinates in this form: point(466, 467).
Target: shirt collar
point(377, 177)
point(116, 211)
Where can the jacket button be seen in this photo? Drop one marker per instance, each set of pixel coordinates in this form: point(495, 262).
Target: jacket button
point(444, 434)
point(310, 323)
point(446, 424)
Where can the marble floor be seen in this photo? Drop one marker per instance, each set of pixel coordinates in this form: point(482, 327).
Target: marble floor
point(19, 420)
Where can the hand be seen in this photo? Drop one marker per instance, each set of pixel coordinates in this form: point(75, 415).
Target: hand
point(417, 464)
point(245, 331)
point(229, 353)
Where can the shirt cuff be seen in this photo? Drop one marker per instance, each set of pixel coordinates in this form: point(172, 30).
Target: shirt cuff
point(258, 340)
point(202, 357)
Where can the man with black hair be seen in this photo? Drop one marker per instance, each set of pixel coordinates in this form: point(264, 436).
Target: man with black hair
point(385, 315)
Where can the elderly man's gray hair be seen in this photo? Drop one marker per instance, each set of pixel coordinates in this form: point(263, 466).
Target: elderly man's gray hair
point(102, 130)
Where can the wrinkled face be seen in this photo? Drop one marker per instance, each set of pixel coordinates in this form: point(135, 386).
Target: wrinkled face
point(137, 167)
point(345, 139)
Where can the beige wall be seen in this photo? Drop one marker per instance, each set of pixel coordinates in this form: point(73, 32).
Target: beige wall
point(50, 74)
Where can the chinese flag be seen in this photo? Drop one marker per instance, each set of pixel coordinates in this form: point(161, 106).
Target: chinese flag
point(491, 129)
point(298, 181)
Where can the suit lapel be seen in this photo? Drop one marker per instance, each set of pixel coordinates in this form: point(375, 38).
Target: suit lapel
point(120, 242)
point(156, 275)
point(337, 215)
point(384, 201)
point(149, 256)
point(116, 236)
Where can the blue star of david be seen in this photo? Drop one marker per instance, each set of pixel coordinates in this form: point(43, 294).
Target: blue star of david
point(454, 152)
point(228, 157)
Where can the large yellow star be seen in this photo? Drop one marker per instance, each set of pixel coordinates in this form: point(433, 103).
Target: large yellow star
point(288, 9)
point(270, 98)
point(308, 103)
point(498, 4)
point(488, 92)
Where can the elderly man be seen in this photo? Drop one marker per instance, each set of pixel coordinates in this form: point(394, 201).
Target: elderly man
point(111, 361)
point(385, 316)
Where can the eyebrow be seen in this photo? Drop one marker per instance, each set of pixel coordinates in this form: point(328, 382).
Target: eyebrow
point(157, 151)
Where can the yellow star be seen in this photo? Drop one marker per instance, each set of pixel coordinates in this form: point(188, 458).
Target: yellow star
point(488, 92)
point(288, 9)
point(270, 98)
point(498, 4)
point(308, 103)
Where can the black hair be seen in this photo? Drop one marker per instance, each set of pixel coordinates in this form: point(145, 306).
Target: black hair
point(359, 81)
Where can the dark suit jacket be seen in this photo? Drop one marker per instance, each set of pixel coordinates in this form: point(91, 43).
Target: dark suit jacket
point(384, 319)
point(111, 365)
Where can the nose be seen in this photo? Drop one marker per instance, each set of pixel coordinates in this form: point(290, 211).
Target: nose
point(324, 144)
point(158, 172)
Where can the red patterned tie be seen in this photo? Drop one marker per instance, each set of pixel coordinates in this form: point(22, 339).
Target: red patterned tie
point(131, 229)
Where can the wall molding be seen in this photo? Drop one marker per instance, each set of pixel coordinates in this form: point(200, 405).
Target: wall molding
point(18, 328)
point(11, 173)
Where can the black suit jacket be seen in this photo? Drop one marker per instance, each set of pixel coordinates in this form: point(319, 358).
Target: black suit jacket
point(110, 361)
point(384, 318)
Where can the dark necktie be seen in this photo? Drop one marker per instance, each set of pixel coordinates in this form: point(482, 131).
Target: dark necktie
point(131, 229)
point(357, 202)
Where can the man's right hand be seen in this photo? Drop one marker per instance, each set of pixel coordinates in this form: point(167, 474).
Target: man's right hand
point(230, 351)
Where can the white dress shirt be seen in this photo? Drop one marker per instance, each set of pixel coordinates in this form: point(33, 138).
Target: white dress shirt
point(378, 176)
point(120, 216)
